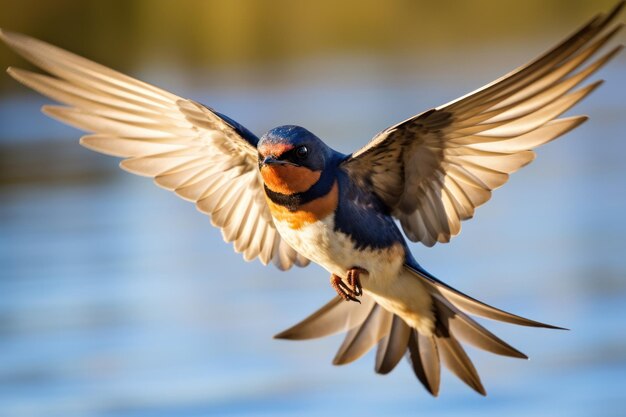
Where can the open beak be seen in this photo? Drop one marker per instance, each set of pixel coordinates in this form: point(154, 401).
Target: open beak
point(270, 160)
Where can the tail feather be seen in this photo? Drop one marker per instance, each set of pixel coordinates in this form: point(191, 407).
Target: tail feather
point(470, 331)
point(369, 323)
point(423, 354)
point(456, 360)
point(393, 346)
point(361, 338)
point(471, 305)
point(336, 316)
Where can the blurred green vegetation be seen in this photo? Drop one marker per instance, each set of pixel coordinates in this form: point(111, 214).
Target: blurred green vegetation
point(218, 34)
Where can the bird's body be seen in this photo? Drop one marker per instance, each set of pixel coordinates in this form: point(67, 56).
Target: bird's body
point(339, 225)
point(288, 198)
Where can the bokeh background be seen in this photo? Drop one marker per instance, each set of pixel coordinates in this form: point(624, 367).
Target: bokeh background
point(118, 299)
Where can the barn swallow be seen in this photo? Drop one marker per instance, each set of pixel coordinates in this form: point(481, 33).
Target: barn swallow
point(288, 198)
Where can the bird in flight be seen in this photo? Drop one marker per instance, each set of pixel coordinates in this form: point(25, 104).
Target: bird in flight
point(288, 198)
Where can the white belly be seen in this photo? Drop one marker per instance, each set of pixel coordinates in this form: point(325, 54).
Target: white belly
point(387, 281)
point(336, 252)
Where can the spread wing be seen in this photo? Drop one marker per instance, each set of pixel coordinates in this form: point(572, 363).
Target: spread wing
point(435, 168)
point(201, 155)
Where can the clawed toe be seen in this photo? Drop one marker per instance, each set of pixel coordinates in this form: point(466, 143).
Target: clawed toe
point(353, 288)
point(343, 290)
point(354, 280)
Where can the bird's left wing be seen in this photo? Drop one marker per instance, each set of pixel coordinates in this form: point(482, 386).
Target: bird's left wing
point(435, 168)
point(201, 155)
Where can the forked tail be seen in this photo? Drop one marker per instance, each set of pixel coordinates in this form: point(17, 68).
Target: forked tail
point(369, 323)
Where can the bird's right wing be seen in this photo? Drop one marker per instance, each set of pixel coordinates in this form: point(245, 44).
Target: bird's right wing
point(434, 169)
point(201, 155)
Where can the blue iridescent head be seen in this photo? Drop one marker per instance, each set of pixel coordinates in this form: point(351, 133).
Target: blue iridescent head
point(292, 159)
point(293, 145)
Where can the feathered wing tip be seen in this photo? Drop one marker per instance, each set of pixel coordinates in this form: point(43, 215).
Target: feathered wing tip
point(368, 324)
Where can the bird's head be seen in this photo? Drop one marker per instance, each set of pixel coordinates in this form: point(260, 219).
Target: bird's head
point(291, 159)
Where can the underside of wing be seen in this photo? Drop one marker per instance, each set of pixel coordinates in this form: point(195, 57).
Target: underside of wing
point(434, 169)
point(199, 154)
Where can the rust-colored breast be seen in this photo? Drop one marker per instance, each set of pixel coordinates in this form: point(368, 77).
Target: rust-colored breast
point(307, 213)
point(289, 179)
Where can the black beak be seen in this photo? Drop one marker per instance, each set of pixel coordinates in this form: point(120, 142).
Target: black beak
point(270, 160)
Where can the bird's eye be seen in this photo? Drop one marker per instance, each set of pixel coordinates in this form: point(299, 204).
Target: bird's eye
point(302, 152)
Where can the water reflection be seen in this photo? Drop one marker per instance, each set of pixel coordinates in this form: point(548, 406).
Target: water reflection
point(119, 299)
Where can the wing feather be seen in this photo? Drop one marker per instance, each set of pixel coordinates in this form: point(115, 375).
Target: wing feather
point(187, 148)
point(120, 146)
point(435, 168)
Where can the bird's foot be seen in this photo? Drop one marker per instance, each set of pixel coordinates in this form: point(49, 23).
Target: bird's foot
point(354, 281)
point(353, 288)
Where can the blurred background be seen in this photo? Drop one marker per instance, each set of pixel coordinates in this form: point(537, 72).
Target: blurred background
point(119, 299)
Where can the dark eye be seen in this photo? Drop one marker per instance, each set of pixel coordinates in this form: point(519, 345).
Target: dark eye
point(302, 152)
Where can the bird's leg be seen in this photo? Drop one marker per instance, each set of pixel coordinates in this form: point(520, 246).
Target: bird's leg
point(354, 281)
point(353, 288)
point(342, 289)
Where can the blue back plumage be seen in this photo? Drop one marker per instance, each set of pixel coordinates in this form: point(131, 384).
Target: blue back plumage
point(363, 217)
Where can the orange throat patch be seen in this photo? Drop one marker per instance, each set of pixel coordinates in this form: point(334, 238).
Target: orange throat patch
point(307, 213)
point(289, 179)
